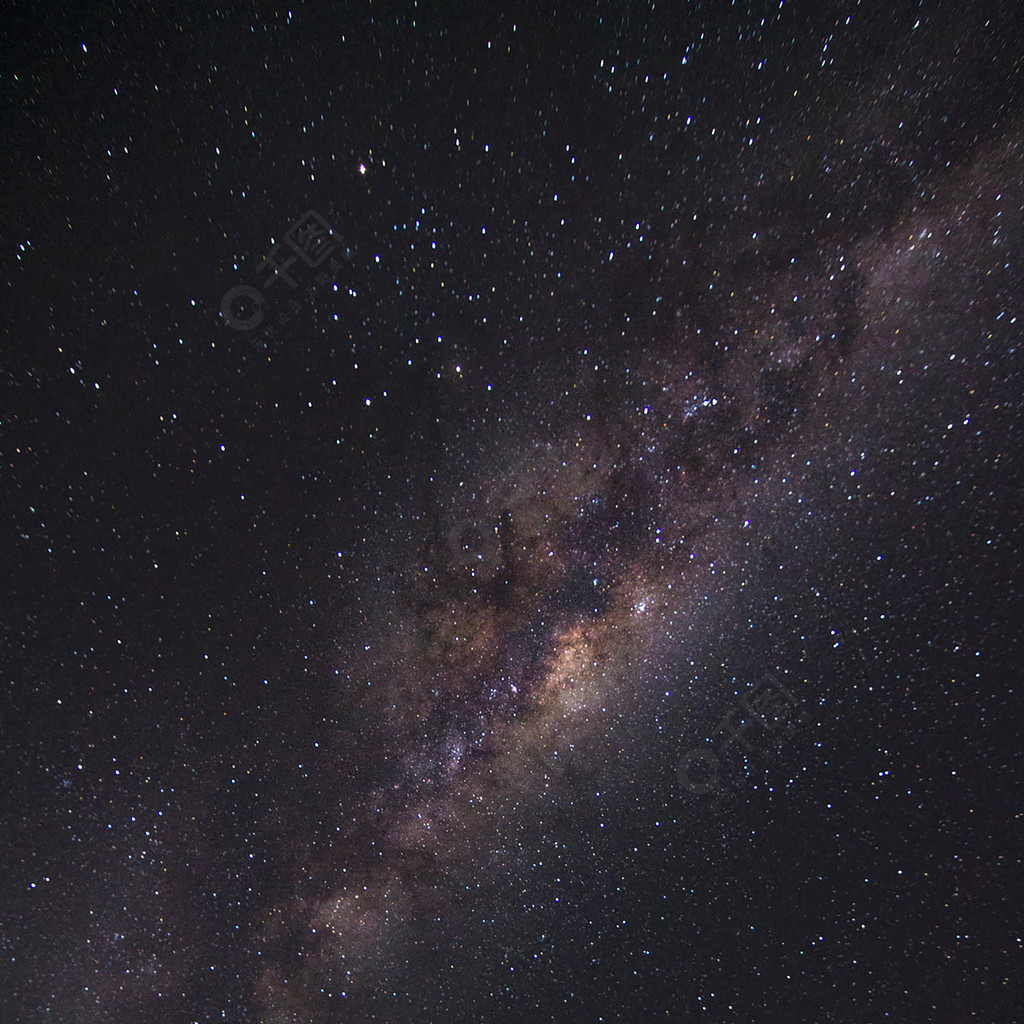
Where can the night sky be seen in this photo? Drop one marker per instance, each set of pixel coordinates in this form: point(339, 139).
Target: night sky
point(511, 514)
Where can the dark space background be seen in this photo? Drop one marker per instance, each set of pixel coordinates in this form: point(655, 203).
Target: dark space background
point(662, 359)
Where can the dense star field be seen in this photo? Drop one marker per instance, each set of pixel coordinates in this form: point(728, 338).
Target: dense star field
point(511, 516)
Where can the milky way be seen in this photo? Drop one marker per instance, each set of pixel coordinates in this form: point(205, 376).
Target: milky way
point(591, 593)
point(541, 593)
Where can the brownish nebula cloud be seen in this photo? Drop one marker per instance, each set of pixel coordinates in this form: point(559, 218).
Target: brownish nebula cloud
point(533, 595)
